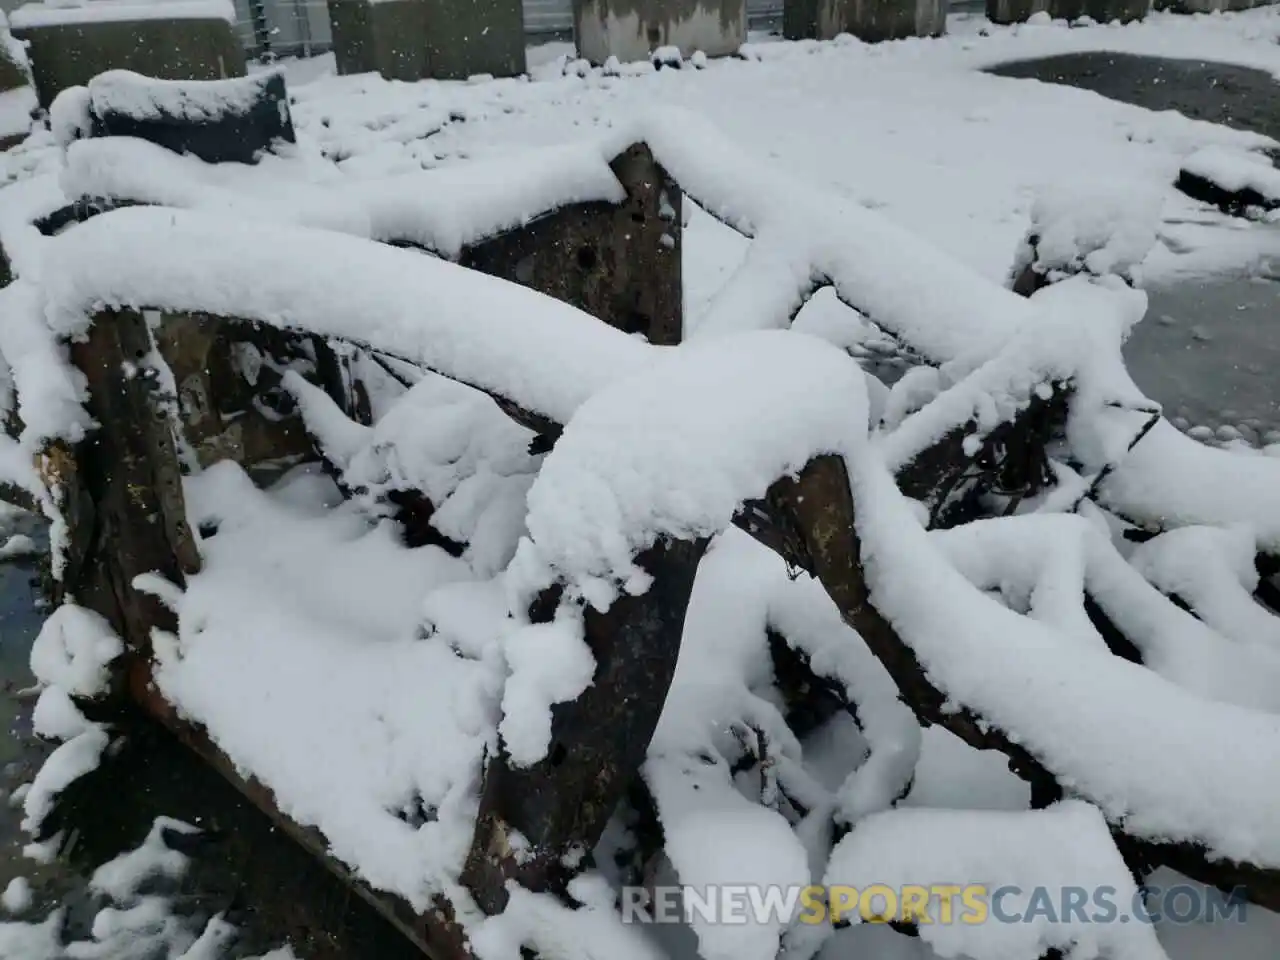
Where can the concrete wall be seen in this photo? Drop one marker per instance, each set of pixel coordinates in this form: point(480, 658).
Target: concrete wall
point(632, 29)
point(71, 54)
point(869, 20)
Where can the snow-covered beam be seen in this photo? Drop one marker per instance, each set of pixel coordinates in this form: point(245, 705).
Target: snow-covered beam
point(217, 121)
point(537, 352)
point(596, 226)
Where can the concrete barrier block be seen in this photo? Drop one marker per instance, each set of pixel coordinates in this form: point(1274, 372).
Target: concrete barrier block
point(219, 121)
point(470, 37)
point(387, 38)
point(415, 39)
point(633, 30)
point(1210, 6)
point(870, 20)
point(1103, 11)
point(179, 40)
point(14, 69)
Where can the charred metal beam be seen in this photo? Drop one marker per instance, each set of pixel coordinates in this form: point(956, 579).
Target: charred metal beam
point(560, 804)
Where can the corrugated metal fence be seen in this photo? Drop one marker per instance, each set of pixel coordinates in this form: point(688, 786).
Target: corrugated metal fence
point(300, 28)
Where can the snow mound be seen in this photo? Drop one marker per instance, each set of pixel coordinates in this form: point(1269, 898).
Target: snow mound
point(1103, 231)
point(149, 98)
point(673, 451)
point(1236, 171)
point(1067, 845)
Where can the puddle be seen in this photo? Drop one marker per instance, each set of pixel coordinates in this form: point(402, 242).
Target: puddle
point(1237, 97)
point(1209, 351)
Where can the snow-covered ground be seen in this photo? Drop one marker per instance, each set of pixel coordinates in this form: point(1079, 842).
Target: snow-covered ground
point(429, 667)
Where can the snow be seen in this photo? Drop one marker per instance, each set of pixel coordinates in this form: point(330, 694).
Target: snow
point(1097, 229)
point(1169, 479)
point(70, 118)
point(126, 923)
point(1066, 845)
point(1236, 171)
point(56, 717)
point(122, 878)
point(73, 649)
point(1076, 336)
point(449, 442)
point(548, 663)
point(1212, 570)
point(545, 925)
point(148, 98)
point(1045, 564)
point(402, 720)
point(213, 942)
point(35, 15)
point(401, 667)
point(16, 107)
point(18, 545)
point(442, 210)
point(705, 840)
point(539, 352)
point(800, 231)
point(674, 450)
point(71, 761)
point(809, 620)
point(1171, 782)
point(17, 896)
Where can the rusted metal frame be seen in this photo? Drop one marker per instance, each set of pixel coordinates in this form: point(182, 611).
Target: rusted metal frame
point(636, 644)
point(619, 262)
point(126, 485)
point(560, 804)
point(126, 476)
point(436, 932)
point(822, 504)
point(1011, 461)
